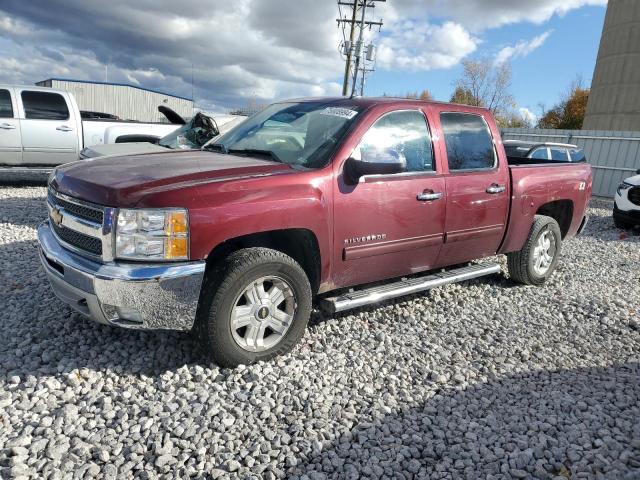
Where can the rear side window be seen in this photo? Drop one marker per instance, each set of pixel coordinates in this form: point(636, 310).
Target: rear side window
point(577, 155)
point(468, 140)
point(44, 106)
point(6, 109)
point(404, 132)
point(559, 154)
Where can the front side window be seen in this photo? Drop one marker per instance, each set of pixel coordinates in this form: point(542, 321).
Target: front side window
point(404, 133)
point(468, 140)
point(44, 106)
point(540, 154)
point(301, 134)
point(6, 108)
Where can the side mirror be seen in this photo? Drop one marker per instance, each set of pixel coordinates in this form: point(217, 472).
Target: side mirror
point(638, 171)
point(375, 162)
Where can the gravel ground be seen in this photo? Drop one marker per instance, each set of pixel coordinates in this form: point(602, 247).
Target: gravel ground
point(486, 379)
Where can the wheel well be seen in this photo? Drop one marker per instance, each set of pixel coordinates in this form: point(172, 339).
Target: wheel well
point(561, 211)
point(299, 243)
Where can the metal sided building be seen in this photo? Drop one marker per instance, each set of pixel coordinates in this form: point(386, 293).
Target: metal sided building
point(129, 102)
point(614, 100)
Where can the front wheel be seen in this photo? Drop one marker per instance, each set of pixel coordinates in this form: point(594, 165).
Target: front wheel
point(537, 260)
point(256, 304)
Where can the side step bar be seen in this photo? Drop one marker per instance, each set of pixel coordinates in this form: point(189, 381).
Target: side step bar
point(406, 286)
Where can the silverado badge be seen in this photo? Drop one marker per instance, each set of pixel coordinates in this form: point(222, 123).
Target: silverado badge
point(56, 217)
point(365, 238)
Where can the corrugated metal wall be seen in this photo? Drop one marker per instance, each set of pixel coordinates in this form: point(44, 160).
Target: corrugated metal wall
point(613, 155)
point(127, 102)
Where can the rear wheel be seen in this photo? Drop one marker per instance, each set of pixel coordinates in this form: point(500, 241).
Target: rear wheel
point(255, 305)
point(537, 260)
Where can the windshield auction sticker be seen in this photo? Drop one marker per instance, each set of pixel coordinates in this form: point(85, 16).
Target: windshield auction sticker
point(339, 112)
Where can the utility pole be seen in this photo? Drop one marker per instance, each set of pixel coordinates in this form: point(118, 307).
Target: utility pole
point(354, 50)
point(347, 65)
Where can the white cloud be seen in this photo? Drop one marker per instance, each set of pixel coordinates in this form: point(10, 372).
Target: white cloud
point(414, 46)
point(521, 49)
point(528, 116)
point(478, 15)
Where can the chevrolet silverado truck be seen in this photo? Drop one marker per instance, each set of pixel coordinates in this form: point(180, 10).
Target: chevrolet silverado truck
point(345, 201)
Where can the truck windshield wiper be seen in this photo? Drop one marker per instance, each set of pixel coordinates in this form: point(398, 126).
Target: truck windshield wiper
point(256, 151)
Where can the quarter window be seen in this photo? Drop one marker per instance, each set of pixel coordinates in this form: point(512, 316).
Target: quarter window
point(577, 155)
point(468, 140)
point(44, 106)
point(403, 133)
point(6, 109)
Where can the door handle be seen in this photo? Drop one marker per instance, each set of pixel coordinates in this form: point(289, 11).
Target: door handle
point(64, 128)
point(495, 188)
point(429, 196)
point(7, 126)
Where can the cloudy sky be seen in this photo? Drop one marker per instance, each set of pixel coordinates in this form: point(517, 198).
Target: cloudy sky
point(261, 50)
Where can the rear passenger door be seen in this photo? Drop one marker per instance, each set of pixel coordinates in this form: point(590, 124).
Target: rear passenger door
point(477, 186)
point(49, 130)
point(10, 138)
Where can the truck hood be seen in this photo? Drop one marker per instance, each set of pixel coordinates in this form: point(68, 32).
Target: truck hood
point(635, 180)
point(123, 181)
point(132, 148)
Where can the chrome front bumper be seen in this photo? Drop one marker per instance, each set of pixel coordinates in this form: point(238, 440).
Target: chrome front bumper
point(131, 295)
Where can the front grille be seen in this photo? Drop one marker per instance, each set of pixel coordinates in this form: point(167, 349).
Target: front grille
point(634, 195)
point(86, 213)
point(78, 240)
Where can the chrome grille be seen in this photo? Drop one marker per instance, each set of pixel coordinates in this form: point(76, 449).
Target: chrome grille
point(86, 213)
point(634, 195)
point(79, 240)
point(77, 224)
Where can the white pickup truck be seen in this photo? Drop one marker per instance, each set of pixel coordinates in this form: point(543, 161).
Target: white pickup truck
point(42, 127)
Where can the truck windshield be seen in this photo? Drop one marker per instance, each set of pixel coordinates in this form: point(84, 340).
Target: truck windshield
point(302, 134)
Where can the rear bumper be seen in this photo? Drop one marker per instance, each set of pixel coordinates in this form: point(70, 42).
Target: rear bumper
point(131, 295)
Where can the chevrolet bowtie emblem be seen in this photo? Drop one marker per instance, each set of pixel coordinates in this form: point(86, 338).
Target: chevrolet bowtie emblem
point(56, 217)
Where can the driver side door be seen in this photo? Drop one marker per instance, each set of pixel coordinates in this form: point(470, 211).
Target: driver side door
point(390, 225)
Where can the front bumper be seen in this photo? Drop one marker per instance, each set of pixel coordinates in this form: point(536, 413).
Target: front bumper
point(131, 295)
point(629, 216)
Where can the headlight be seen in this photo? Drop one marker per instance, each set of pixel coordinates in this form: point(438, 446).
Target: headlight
point(152, 234)
point(623, 186)
point(52, 175)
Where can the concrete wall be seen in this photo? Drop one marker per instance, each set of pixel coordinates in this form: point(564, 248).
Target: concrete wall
point(614, 101)
point(613, 155)
point(127, 102)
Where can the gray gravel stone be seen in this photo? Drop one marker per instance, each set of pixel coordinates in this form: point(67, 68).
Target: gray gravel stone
point(486, 379)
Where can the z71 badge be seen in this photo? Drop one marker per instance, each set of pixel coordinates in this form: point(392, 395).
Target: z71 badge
point(366, 238)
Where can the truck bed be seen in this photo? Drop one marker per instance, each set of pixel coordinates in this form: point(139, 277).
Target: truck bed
point(534, 185)
point(516, 161)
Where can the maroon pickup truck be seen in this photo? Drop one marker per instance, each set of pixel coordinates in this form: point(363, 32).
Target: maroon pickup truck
point(307, 199)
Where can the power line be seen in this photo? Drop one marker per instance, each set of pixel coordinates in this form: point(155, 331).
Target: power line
point(353, 51)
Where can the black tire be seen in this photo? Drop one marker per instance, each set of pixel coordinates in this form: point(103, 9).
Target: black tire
point(521, 263)
point(225, 281)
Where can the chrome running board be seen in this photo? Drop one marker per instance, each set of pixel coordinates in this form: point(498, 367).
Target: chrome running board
point(406, 286)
